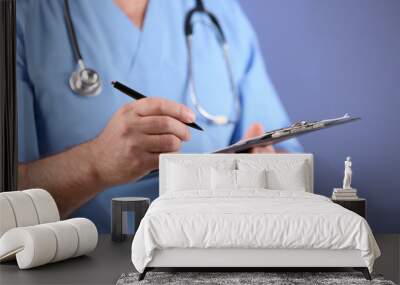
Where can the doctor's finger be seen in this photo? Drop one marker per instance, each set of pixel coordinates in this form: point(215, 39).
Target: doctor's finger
point(160, 106)
point(263, 149)
point(164, 125)
point(161, 143)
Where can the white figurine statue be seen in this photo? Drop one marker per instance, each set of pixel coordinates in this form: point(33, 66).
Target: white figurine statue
point(347, 174)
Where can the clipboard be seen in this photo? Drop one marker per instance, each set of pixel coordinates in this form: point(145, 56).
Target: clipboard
point(277, 136)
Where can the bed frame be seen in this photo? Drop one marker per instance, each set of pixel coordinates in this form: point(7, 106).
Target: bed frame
point(236, 259)
point(259, 259)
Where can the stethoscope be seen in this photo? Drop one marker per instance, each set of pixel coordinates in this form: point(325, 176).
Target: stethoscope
point(86, 82)
point(83, 81)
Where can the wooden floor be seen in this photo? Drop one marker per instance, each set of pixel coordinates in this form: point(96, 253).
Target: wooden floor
point(389, 262)
point(110, 260)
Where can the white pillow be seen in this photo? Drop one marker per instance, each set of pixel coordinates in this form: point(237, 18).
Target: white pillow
point(188, 174)
point(282, 174)
point(251, 178)
point(183, 178)
point(292, 179)
point(223, 179)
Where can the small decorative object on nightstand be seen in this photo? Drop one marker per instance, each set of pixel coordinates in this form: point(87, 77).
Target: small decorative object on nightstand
point(358, 206)
point(347, 196)
point(347, 192)
point(138, 205)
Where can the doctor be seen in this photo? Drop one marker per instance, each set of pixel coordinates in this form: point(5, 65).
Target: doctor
point(87, 149)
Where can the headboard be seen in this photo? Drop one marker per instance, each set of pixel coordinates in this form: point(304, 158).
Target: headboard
point(212, 159)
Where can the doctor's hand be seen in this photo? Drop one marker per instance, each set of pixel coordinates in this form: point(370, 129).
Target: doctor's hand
point(255, 130)
point(129, 146)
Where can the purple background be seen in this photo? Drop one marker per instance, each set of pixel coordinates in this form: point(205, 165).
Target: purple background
point(327, 58)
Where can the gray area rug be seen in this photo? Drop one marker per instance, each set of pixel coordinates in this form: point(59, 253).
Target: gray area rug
point(269, 278)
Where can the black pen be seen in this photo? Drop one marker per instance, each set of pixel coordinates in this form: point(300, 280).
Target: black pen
point(136, 95)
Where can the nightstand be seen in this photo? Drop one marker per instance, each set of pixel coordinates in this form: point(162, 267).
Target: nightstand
point(358, 206)
point(119, 206)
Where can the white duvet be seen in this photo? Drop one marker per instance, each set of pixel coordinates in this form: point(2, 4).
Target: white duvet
point(250, 219)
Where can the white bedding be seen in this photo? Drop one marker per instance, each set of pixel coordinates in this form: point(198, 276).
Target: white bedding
point(250, 218)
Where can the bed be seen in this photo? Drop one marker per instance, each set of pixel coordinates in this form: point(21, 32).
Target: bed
point(247, 211)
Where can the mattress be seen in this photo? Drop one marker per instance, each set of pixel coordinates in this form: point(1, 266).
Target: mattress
point(251, 219)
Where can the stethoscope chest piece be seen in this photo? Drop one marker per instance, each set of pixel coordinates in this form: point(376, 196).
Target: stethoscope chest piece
point(85, 82)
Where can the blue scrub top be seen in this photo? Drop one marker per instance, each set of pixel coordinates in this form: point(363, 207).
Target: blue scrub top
point(152, 60)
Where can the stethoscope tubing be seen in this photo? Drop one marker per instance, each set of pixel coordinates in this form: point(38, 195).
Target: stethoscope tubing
point(188, 31)
point(71, 32)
